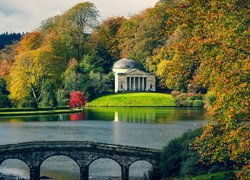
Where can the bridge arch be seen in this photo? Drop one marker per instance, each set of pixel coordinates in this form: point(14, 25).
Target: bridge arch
point(20, 166)
point(56, 154)
point(107, 167)
point(56, 163)
point(140, 168)
point(26, 162)
point(104, 157)
point(151, 162)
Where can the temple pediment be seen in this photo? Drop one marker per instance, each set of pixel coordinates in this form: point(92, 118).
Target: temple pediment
point(136, 72)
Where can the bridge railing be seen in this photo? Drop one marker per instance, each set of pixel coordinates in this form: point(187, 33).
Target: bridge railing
point(77, 144)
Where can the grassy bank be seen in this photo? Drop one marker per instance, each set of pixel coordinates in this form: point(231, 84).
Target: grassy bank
point(30, 111)
point(34, 109)
point(218, 175)
point(222, 175)
point(133, 100)
point(179, 161)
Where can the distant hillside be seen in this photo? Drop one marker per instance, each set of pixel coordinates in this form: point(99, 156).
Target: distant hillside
point(7, 39)
point(134, 100)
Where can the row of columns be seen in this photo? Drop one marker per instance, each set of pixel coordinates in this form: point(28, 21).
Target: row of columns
point(136, 83)
point(84, 173)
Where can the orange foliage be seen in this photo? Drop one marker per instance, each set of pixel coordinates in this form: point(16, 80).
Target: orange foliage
point(31, 41)
point(214, 52)
point(5, 68)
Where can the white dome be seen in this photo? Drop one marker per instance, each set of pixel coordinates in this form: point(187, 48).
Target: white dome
point(126, 64)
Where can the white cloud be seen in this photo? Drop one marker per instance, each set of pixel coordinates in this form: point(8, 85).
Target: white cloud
point(26, 15)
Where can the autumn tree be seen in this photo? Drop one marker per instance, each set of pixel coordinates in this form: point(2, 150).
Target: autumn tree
point(213, 51)
point(104, 45)
point(5, 66)
point(29, 42)
point(7, 56)
point(75, 26)
point(34, 63)
point(142, 33)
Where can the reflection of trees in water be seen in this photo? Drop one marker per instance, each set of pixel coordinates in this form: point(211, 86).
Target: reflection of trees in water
point(161, 115)
point(100, 114)
point(191, 114)
point(47, 117)
point(137, 116)
point(38, 118)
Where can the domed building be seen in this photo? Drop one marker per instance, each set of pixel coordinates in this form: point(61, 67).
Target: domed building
point(129, 77)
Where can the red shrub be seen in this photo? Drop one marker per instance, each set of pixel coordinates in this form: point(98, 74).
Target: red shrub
point(77, 99)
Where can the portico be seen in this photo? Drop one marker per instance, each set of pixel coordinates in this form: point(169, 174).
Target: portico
point(136, 83)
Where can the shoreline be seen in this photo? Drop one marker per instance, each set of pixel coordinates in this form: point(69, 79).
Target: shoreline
point(59, 111)
point(41, 112)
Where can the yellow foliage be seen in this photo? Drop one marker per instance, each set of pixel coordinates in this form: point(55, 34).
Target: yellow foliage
point(30, 69)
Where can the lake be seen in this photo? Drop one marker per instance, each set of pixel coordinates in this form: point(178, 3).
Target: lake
point(149, 127)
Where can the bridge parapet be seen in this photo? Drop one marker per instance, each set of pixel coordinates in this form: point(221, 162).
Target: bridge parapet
point(82, 152)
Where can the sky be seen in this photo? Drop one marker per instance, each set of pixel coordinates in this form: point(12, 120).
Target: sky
point(26, 15)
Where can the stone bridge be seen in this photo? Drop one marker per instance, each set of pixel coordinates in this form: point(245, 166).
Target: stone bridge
point(82, 152)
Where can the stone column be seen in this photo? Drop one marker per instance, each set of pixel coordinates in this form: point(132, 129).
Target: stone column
point(125, 173)
point(84, 173)
point(127, 87)
point(35, 173)
point(130, 83)
point(134, 83)
point(143, 89)
point(139, 83)
point(146, 88)
point(138, 88)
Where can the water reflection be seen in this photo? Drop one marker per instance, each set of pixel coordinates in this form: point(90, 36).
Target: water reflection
point(136, 115)
point(77, 116)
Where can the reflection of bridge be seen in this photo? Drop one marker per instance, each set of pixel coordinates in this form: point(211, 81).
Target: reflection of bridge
point(82, 152)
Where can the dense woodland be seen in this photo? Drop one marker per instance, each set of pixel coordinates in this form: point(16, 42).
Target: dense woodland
point(9, 38)
point(192, 45)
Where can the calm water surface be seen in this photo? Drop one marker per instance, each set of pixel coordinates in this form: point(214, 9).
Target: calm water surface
point(145, 127)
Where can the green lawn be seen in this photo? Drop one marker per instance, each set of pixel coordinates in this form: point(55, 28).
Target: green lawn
point(216, 176)
point(133, 100)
